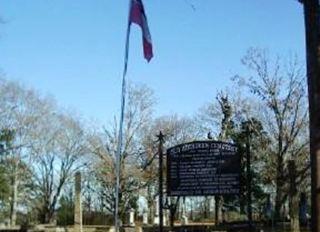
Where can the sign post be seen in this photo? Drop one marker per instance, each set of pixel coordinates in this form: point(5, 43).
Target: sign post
point(160, 152)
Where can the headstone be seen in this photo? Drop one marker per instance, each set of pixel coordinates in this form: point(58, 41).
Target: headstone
point(157, 205)
point(156, 220)
point(77, 204)
point(61, 229)
point(131, 217)
point(184, 220)
point(54, 222)
point(7, 222)
point(211, 208)
point(165, 221)
point(145, 218)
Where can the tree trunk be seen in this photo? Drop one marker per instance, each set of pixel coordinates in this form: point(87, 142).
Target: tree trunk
point(14, 196)
point(49, 217)
point(172, 212)
point(279, 189)
point(151, 211)
point(303, 218)
point(293, 198)
point(206, 207)
point(46, 217)
point(312, 25)
point(218, 209)
point(294, 214)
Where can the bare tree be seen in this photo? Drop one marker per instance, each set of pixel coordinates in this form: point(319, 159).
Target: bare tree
point(281, 90)
point(176, 130)
point(103, 145)
point(20, 110)
point(58, 154)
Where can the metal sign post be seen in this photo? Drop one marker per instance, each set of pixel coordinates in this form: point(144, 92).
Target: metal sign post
point(160, 151)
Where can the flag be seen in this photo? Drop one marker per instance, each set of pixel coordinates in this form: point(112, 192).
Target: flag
point(137, 15)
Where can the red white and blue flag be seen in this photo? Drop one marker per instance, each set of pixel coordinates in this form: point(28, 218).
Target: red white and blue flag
point(137, 15)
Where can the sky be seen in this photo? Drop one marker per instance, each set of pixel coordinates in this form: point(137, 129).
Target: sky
point(74, 49)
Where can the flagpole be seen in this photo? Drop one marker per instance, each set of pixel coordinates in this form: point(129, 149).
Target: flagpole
point(120, 135)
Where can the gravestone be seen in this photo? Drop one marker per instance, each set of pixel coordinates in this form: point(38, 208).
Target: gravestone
point(184, 220)
point(131, 217)
point(145, 218)
point(156, 219)
point(165, 218)
point(77, 204)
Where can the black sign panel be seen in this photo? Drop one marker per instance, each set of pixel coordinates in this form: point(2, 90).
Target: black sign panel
point(203, 168)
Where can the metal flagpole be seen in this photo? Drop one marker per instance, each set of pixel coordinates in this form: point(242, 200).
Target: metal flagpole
point(120, 135)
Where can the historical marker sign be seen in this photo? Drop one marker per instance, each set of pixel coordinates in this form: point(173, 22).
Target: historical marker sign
point(203, 168)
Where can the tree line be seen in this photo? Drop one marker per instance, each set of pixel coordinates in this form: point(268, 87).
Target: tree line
point(43, 145)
